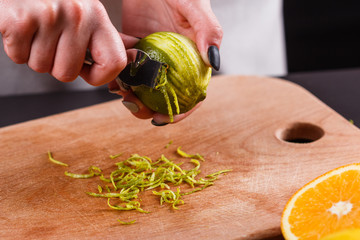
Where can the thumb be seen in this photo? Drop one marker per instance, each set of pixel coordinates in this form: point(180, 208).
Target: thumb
point(129, 41)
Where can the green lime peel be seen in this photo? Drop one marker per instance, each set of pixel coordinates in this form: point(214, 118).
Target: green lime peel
point(139, 173)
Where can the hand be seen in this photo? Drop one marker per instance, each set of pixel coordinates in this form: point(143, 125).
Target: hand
point(52, 36)
point(139, 110)
point(193, 19)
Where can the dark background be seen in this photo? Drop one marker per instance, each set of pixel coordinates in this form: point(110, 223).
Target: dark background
point(322, 34)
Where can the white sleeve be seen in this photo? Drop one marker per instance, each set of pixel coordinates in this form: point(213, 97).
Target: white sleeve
point(253, 41)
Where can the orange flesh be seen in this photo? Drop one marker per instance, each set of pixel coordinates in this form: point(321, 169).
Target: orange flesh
point(311, 217)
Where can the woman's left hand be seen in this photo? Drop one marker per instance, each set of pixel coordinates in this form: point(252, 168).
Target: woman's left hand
point(194, 19)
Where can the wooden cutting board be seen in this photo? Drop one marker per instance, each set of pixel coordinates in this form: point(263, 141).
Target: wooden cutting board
point(247, 124)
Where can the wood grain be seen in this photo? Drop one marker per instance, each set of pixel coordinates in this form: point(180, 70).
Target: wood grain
point(238, 127)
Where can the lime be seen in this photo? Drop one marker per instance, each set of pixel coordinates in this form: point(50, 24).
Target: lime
point(182, 82)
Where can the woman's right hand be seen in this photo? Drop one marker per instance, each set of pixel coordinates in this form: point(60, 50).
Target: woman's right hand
point(53, 36)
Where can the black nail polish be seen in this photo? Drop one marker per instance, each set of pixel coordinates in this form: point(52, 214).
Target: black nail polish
point(158, 124)
point(214, 57)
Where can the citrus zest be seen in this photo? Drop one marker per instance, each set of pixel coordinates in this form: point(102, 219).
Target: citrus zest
point(51, 158)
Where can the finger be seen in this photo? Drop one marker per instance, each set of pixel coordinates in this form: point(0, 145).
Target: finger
point(129, 41)
point(109, 57)
point(135, 106)
point(118, 87)
point(17, 39)
point(108, 53)
point(44, 43)
point(208, 31)
point(130, 101)
point(162, 119)
point(70, 54)
point(113, 87)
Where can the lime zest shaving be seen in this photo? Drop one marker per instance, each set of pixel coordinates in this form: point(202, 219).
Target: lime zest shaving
point(130, 205)
point(171, 197)
point(115, 156)
point(197, 189)
point(219, 172)
point(93, 171)
point(108, 189)
point(164, 87)
point(168, 104)
point(186, 155)
point(176, 102)
point(104, 195)
point(139, 173)
point(126, 223)
point(168, 144)
point(104, 178)
point(51, 158)
point(79, 176)
point(162, 77)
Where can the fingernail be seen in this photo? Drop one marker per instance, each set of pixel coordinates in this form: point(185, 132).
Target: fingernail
point(214, 57)
point(131, 106)
point(123, 86)
point(158, 124)
point(114, 90)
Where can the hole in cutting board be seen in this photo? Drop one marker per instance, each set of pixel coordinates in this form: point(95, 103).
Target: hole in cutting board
point(300, 133)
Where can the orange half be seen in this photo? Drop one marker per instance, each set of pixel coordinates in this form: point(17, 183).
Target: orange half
point(328, 204)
